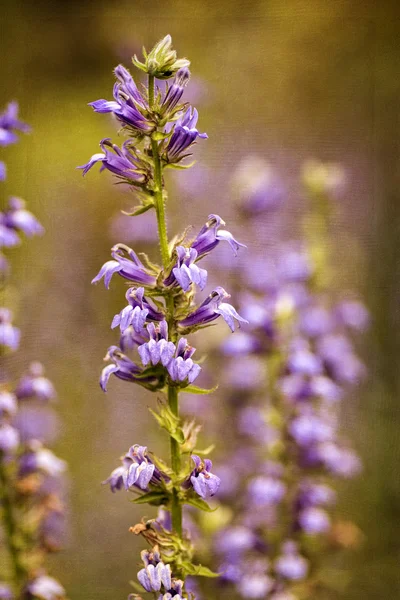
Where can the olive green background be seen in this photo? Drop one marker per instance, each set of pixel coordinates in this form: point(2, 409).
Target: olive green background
point(285, 79)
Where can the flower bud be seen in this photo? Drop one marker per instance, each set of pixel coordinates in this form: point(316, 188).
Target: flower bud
point(161, 62)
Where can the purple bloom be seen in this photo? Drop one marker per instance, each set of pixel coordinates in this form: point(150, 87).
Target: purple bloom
point(294, 264)
point(290, 564)
point(314, 520)
point(184, 134)
point(255, 585)
point(158, 348)
point(182, 367)
point(302, 360)
point(8, 237)
point(9, 122)
point(129, 268)
point(44, 588)
point(9, 335)
point(175, 91)
point(123, 162)
point(41, 459)
point(185, 271)
point(340, 461)
point(3, 176)
point(338, 355)
point(17, 217)
point(309, 428)
point(204, 483)
point(137, 312)
point(9, 438)
point(136, 470)
point(212, 307)
point(8, 404)
point(5, 592)
point(152, 577)
point(353, 314)
point(264, 491)
point(35, 385)
point(235, 540)
point(316, 321)
point(315, 494)
point(210, 235)
point(125, 369)
point(128, 105)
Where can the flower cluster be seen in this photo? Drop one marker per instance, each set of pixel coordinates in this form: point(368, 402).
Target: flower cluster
point(162, 311)
point(31, 476)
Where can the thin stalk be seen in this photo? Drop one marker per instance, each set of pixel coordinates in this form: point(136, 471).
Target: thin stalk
point(10, 526)
point(176, 508)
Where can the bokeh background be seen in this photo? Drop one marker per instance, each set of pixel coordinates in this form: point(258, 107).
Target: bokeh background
point(285, 80)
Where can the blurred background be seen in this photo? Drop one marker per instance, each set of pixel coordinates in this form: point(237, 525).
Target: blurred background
point(285, 81)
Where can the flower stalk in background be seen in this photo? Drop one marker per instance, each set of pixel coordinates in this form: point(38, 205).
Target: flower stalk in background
point(162, 310)
point(31, 505)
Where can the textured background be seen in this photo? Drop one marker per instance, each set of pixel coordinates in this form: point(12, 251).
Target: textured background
point(287, 80)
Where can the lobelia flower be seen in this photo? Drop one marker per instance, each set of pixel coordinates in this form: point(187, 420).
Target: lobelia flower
point(210, 235)
point(129, 106)
point(17, 217)
point(8, 237)
point(130, 268)
point(3, 177)
point(138, 311)
point(213, 307)
point(204, 483)
point(152, 577)
point(137, 470)
point(44, 588)
point(9, 122)
point(290, 564)
point(9, 335)
point(182, 367)
point(38, 458)
point(264, 491)
point(184, 134)
point(158, 348)
point(175, 91)
point(185, 271)
point(314, 520)
point(125, 369)
point(6, 592)
point(35, 385)
point(8, 404)
point(123, 162)
point(9, 439)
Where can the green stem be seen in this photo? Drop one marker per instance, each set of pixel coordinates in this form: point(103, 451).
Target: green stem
point(10, 526)
point(176, 508)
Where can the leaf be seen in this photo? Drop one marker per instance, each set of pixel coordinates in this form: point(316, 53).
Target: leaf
point(199, 503)
point(157, 136)
point(194, 389)
point(206, 451)
point(154, 498)
point(198, 570)
point(161, 465)
point(138, 210)
point(180, 167)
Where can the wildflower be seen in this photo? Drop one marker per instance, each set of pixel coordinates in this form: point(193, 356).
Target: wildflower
point(158, 348)
point(213, 307)
point(44, 588)
point(130, 268)
point(9, 439)
point(137, 312)
point(9, 335)
point(152, 577)
point(35, 385)
point(17, 217)
point(184, 134)
point(314, 520)
point(8, 404)
point(137, 470)
point(6, 592)
point(290, 564)
point(9, 122)
point(125, 369)
point(175, 91)
point(204, 483)
point(123, 162)
point(264, 491)
point(182, 367)
point(161, 62)
point(210, 235)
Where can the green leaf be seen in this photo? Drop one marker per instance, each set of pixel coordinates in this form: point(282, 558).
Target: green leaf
point(139, 210)
point(157, 136)
point(198, 570)
point(194, 389)
point(206, 451)
point(180, 167)
point(154, 498)
point(199, 503)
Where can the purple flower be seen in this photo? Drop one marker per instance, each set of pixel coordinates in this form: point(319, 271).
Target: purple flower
point(175, 91)
point(9, 122)
point(35, 385)
point(235, 540)
point(137, 312)
point(309, 428)
point(255, 585)
point(264, 491)
point(184, 134)
point(123, 162)
point(8, 237)
point(204, 483)
point(210, 235)
point(315, 494)
point(125, 369)
point(8, 404)
point(185, 271)
point(182, 367)
point(5, 592)
point(314, 520)
point(17, 217)
point(9, 438)
point(129, 268)
point(9, 335)
point(158, 348)
point(128, 105)
point(316, 321)
point(353, 315)
point(43, 460)
point(339, 461)
point(213, 307)
point(137, 470)
point(3, 176)
point(338, 355)
point(44, 588)
point(302, 360)
point(152, 577)
point(290, 564)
